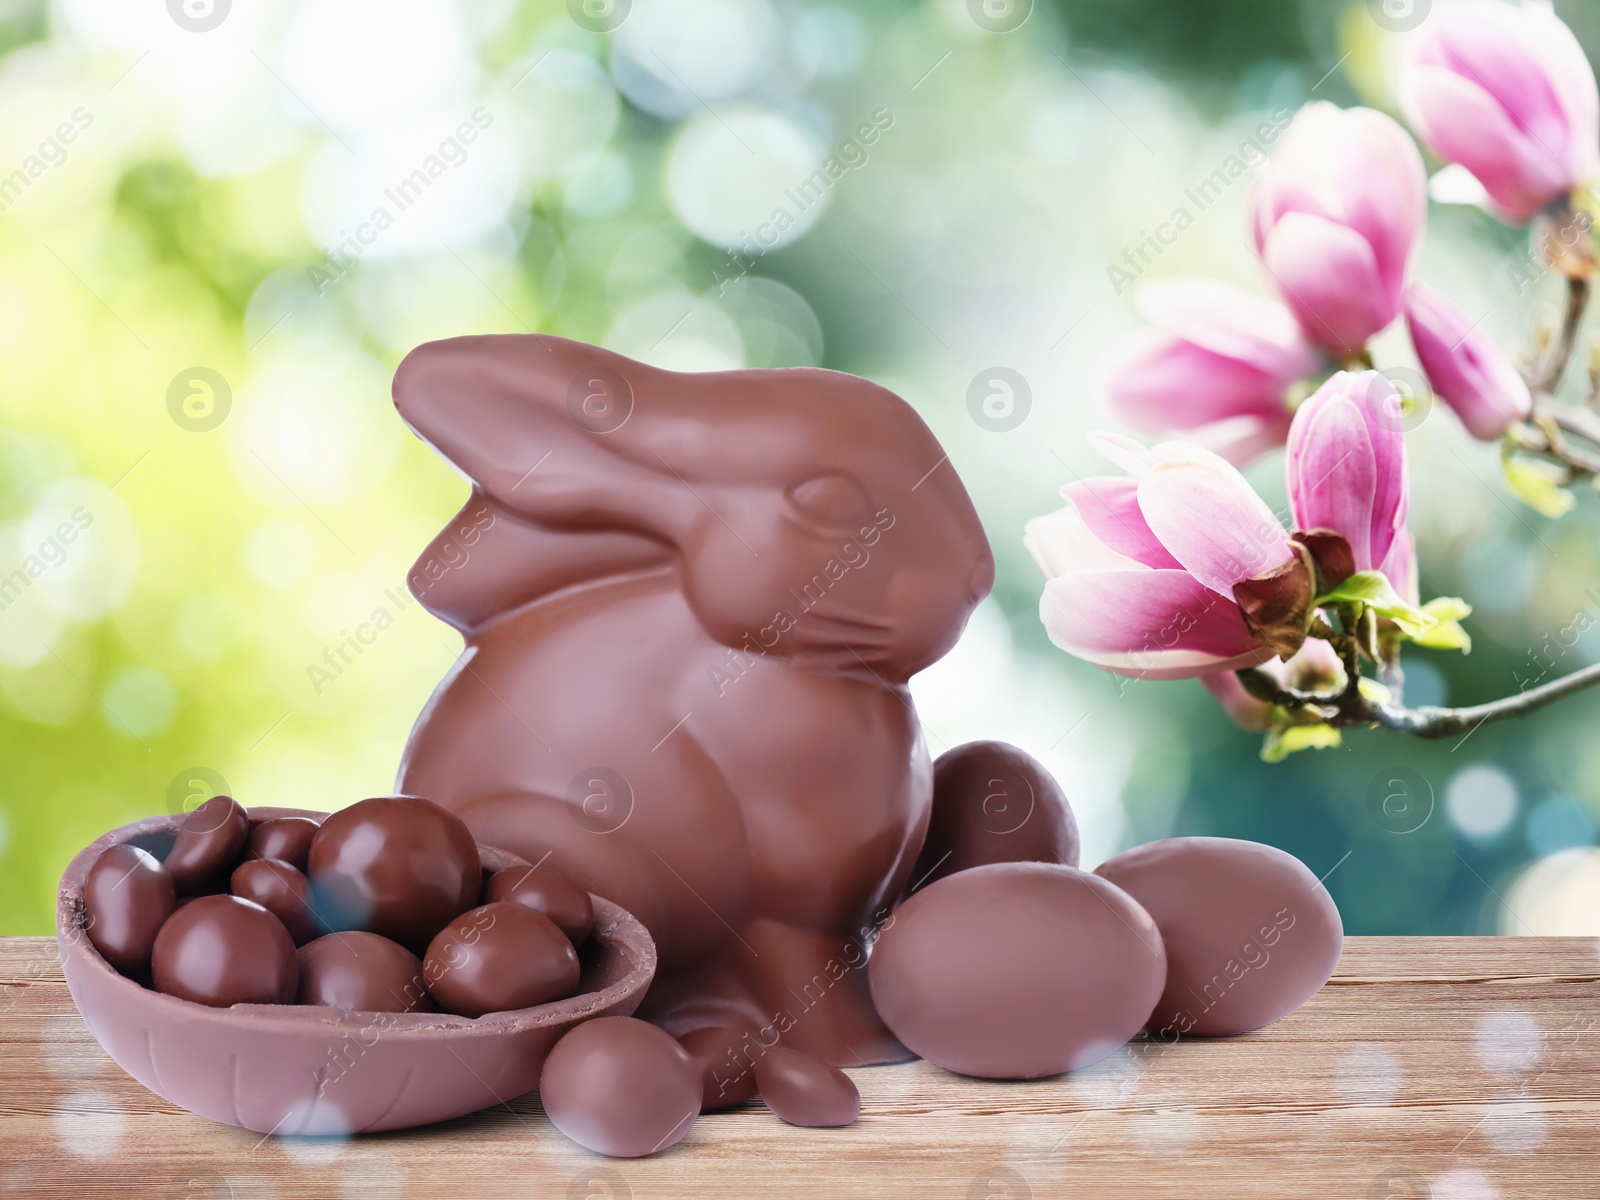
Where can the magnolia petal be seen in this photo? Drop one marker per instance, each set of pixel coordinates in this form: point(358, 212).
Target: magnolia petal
point(1333, 475)
point(1462, 123)
point(1464, 366)
point(1142, 622)
point(1229, 322)
point(1165, 385)
point(1383, 189)
point(1109, 507)
point(1060, 543)
point(1330, 280)
point(1211, 520)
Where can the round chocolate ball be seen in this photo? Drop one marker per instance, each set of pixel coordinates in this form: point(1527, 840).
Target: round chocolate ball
point(498, 957)
point(1017, 970)
point(127, 897)
point(287, 839)
point(620, 1086)
point(1250, 933)
point(362, 972)
point(208, 842)
point(396, 865)
point(722, 1056)
point(221, 950)
point(803, 1090)
point(993, 803)
point(282, 891)
point(545, 890)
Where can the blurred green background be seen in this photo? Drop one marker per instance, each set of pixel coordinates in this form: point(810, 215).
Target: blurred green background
point(197, 332)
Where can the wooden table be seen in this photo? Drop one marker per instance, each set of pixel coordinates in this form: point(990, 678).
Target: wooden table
point(1450, 1068)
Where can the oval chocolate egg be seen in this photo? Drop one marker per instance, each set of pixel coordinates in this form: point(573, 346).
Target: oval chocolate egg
point(287, 839)
point(620, 1086)
point(1017, 970)
point(127, 897)
point(400, 866)
point(1250, 933)
point(208, 842)
point(362, 972)
point(498, 957)
point(545, 890)
point(223, 950)
point(282, 891)
point(992, 803)
point(802, 1090)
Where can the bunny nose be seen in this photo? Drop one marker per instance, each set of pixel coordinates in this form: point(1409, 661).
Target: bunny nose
point(982, 578)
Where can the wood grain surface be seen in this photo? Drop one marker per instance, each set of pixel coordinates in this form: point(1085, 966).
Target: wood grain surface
point(1447, 1068)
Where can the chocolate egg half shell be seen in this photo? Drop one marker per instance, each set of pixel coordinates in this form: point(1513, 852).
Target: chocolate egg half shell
point(1250, 933)
point(1017, 970)
point(994, 803)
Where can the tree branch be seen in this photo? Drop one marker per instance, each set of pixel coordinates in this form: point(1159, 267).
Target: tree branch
point(1351, 708)
point(1432, 722)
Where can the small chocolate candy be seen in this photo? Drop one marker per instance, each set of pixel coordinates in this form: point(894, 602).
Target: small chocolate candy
point(222, 950)
point(127, 896)
point(287, 839)
point(1250, 933)
point(722, 1056)
point(282, 891)
point(1017, 970)
point(499, 956)
point(208, 842)
point(546, 890)
point(396, 865)
point(620, 1086)
point(993, 803)
point(806, 1091)
point(362, 972)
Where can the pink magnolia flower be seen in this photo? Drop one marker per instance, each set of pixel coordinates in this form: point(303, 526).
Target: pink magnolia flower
point(1218, 366)
point(1142, 569)
point(1464, 366)
point(1347, 466)
point(1507, 93)
point(1336, 215)
point(1314, 668)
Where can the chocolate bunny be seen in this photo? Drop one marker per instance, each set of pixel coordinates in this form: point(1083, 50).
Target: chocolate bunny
point(691, 604)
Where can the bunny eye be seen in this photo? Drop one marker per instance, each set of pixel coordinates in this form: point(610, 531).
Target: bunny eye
point(835, 501)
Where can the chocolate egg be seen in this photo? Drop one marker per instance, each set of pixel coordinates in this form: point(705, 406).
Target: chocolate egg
point(992, 803)
point(362, 972)
point(221, 950)
point(722, 1056)
point(1017, 970)
point(282, 891)
point(497, 957)
point(287, 839)
point(806, 1091)
point(545, 890)
point(127, 897)
point(620, 1086)
point(208, 842)
point(1250, 933)
point(396, 865)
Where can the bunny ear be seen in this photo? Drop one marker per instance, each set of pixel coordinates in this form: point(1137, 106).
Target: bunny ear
point(540, 425)
point(488, 561)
